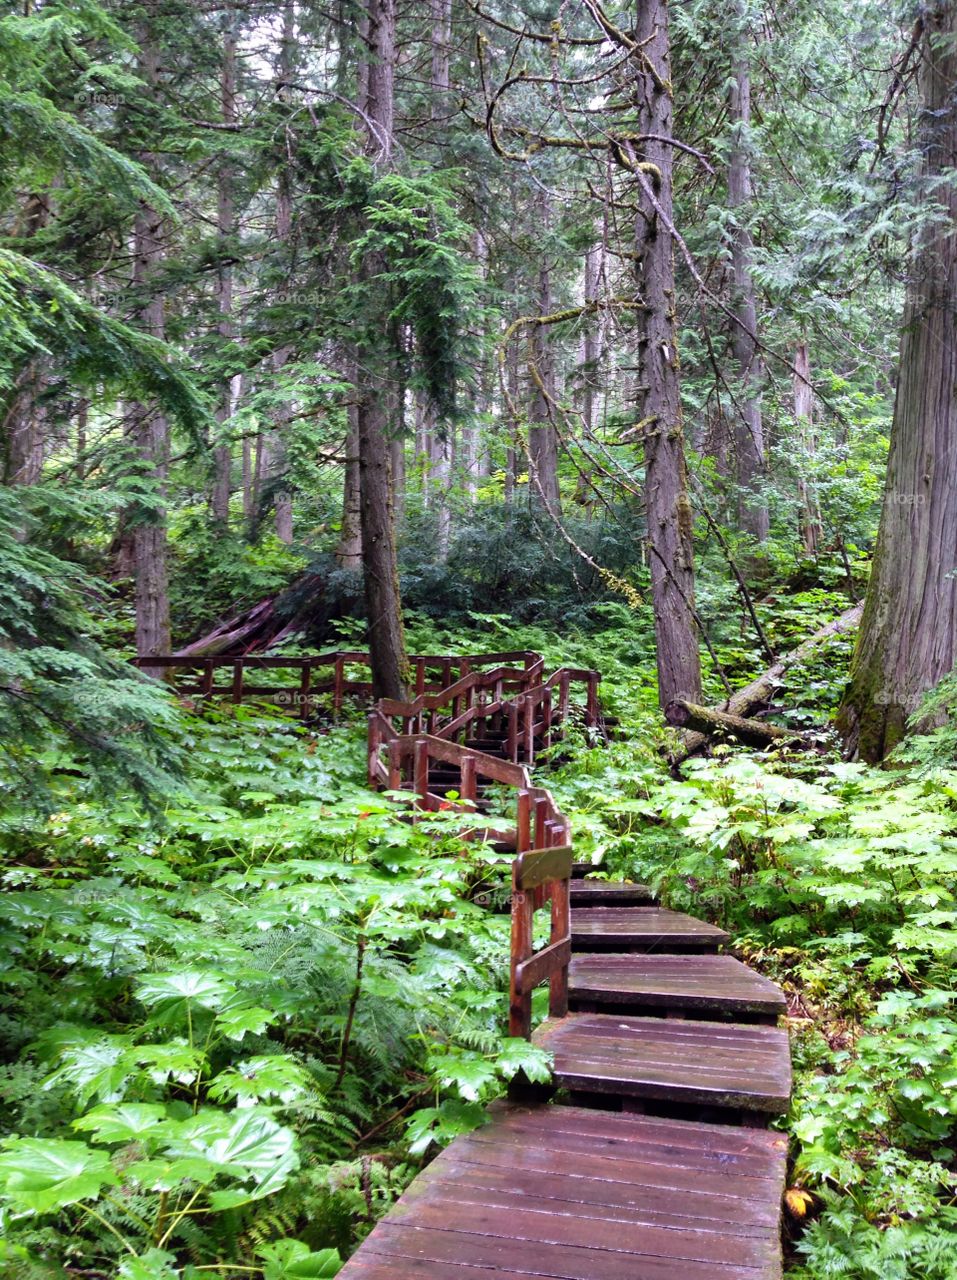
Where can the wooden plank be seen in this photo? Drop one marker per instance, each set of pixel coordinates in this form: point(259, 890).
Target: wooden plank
point(598, 893)
point(536, 866)
point(704, 984)
point(529, 973)
point(642, 929)
point(647, 1058)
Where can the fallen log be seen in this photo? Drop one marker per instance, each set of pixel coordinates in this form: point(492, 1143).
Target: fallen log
point(760, 692)
point(711, 722)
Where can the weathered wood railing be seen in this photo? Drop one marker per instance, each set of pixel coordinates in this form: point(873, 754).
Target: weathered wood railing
point(318, 674)
point(540, 877)
point(477, 696)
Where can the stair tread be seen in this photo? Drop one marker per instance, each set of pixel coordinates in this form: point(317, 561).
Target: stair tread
point(708, 983)
point(633, 928)
point(718, 1064)
point(593, 893)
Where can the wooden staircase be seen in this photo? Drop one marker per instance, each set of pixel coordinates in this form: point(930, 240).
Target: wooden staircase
point(649, 1157)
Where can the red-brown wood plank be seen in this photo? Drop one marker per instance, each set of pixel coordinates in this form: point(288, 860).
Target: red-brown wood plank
point(598, 893)
point(699, 1063)
point(642, 929)
point(700, 984)
point(508, 1201)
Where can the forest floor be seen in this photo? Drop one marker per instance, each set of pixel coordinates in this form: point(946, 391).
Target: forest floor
point(272, 1000)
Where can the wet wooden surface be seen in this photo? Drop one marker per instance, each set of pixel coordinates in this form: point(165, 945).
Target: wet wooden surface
point(586, 1195)
point(608, 893)
point(713, 1064)
point(642, 929)
point(700, 985)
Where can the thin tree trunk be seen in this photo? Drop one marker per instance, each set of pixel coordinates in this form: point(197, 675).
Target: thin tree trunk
point(387, 656)
point(668, 510)
point(349, 550)
point(908, 636)
point(225, 223)
point(542, 434)
point(809, 515)
point(749, 425)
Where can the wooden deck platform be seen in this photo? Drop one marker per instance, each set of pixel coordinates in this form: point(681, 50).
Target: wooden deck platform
point(577, 1194)
point(642, 929)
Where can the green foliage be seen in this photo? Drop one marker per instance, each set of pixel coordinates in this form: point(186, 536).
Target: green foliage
point(220, 1005)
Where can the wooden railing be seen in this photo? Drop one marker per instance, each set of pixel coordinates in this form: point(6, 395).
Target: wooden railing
point(318, 674)
point(539, 877)
point(478, 696)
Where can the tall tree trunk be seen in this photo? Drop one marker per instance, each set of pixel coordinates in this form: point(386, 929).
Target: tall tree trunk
point(225, 224)
point(542, 433)
point(387, 655)
point(145, 426)
point(668, 511)
point(349, 550)
point(908, 636)
point(275, 450)
point(749, 425)
point(809, 515)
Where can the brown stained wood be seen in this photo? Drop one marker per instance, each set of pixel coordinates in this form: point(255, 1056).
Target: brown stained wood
point(698, 984)
point(529, 973)
point(599, 893)
point(505, 1201)
point(539, 865)
point(696, 1062)
point(642, 929)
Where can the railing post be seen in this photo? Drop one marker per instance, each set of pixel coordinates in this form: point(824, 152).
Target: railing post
point(512, 739)
point(237, 692)
point(338, 679)
point(523, 824)
point(547, 718)
point(420, 773)
point(395, 766)
point(468, 788)
point(305, 680)
point(207, 686)
point(541, 815)
point(561, 928)
point(374, 742)
point(564, 688)
point(520, 1003)
point(591, 706)
point(419, 677)
point(529, 730)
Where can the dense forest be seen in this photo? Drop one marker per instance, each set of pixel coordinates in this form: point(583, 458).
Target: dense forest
point(622, 334)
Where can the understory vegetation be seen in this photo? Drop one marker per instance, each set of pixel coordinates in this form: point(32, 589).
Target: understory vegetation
point(234, 1028)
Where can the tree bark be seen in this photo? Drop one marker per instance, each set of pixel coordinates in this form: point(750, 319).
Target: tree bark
point(274, 451)
point(225, 224)
point(908, 636)
point(387, 655)
point(809, 515)
point(711, 722)
point(667, 507)
point(542, 435)
point(749, 425)
point(145, 426)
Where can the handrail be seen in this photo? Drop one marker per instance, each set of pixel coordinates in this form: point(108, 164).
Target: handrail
point(527, 709)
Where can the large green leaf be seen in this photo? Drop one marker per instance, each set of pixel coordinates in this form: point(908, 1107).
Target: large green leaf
point(44, 1174)
point(183, 989)
point(127, 1122)
point(293, 1260)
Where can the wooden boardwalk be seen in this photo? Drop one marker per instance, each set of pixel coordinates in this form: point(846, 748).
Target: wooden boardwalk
point(650, 1157)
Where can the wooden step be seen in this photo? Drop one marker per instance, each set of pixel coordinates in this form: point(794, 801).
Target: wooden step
point(642, 929)
point(609, 893)
point(724, 1065)
point(582, 1195)
point(701, 986)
